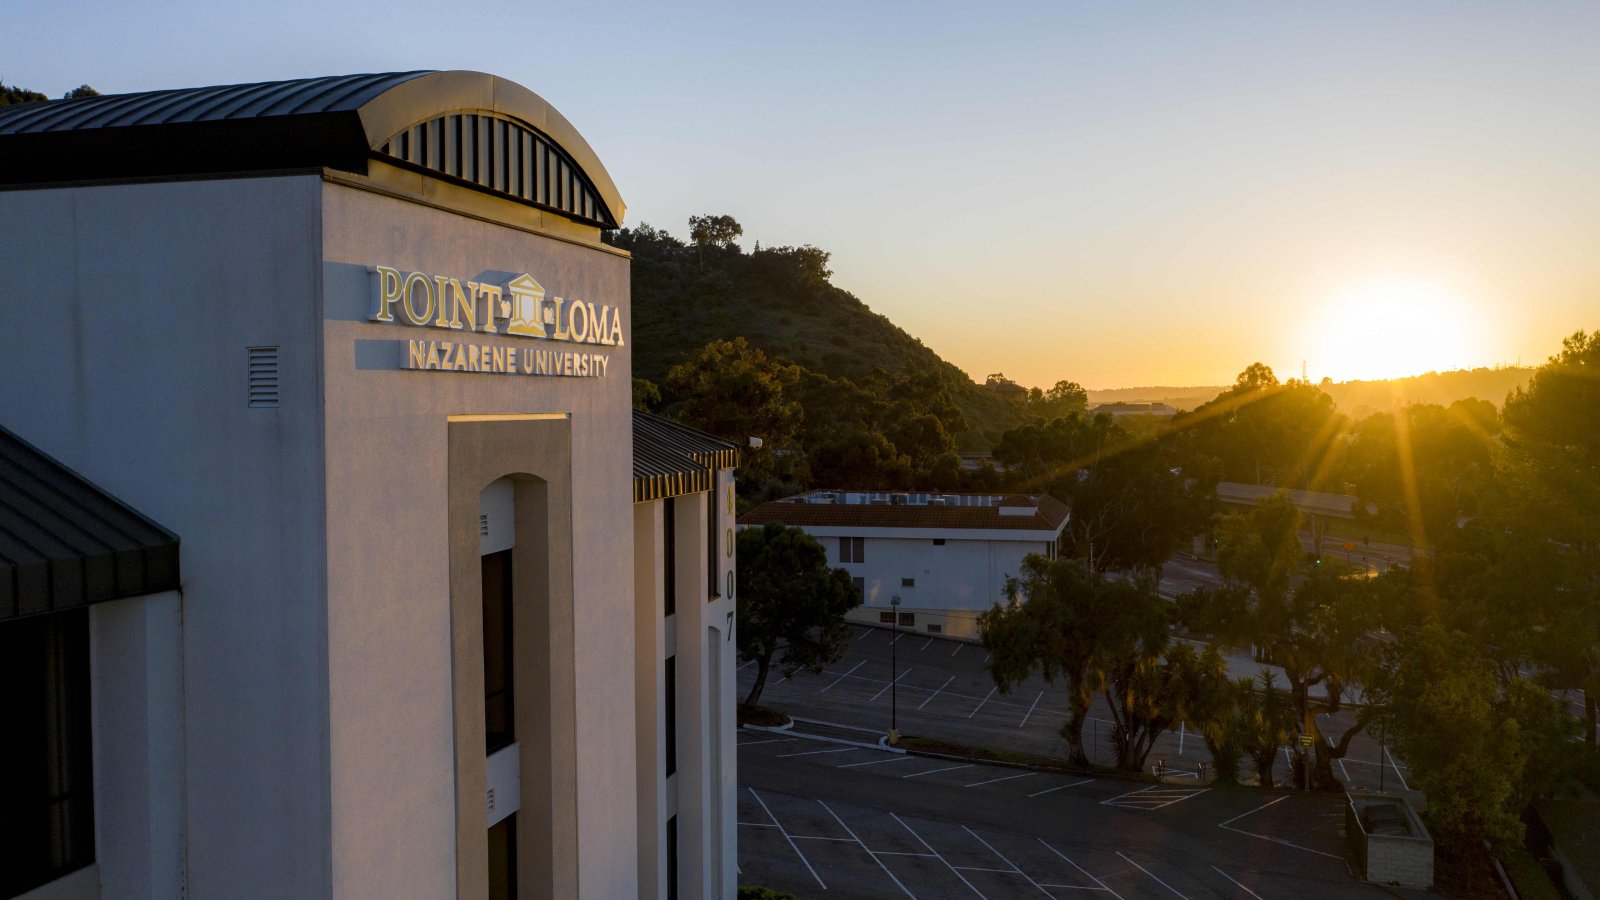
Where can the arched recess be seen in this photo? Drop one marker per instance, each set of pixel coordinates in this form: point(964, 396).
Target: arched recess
point(533, 455)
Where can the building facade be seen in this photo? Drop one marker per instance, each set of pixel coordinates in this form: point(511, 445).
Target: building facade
point(944, 557)
point(358, 344)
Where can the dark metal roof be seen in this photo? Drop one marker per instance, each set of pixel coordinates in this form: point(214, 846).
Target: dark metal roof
point(337, 122)
point(670, 458)
point(65, 543)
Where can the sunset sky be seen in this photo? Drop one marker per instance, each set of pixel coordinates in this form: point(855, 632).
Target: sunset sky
point(1117, 194)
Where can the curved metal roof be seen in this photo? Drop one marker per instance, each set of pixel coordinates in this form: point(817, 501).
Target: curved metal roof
point(339, 122)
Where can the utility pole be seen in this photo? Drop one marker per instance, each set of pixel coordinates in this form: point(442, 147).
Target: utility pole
point(894, 674)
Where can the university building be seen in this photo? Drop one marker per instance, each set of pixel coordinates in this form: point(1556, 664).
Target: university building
point(928, 562)
point(333, 560)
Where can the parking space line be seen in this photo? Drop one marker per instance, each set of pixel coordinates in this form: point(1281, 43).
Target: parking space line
point(927, 645)
point(981, 702)
point(1253, 811)
point(849, 831)
point(843, 677)
point(768, 741)
point(959, 645)
point(1061, 787)
point(1151, 874)
point(890, 685)
point(937, 771)
point(785, 832)
point(905, 853)
point(865, 633)
point(936, 693)
point(1228, 826)
point(818, 837)
point(745, 666)
point(874, 762)
point(1396, 769)
point(997, 780)
point(1031, 709)
point(815, 752)
point(1015, 869)
point(1241, 887)
point(756, 825)
point(936, 854)
point(1103, 885)
point(1153, 797)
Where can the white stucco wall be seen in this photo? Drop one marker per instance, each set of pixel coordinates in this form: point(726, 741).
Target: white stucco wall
point(127, 310)
point(388, 570)
point(967, 572)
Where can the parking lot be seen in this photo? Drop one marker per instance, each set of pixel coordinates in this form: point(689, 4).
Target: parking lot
point(938, 688)
point(823, 818)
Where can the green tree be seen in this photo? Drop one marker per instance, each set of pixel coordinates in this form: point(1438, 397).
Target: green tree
point(80, 92)
point(791, 605)
point(10, 95)
point(737, 392)
point(1151, 687)
point(715, 232)
point(1265, 719)
point(1072, 627)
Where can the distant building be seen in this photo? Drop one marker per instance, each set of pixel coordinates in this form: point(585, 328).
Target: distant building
point(1122, 410)
point(1008, 389)
point(946, 556)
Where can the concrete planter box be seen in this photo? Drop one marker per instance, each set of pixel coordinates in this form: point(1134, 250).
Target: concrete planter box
point(1387, 841)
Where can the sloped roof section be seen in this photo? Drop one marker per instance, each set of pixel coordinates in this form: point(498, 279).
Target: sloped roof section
point(470, 128)
point(670, 458)
point(64, 543)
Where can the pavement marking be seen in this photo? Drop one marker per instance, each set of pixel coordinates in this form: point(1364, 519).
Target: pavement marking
point(874, 762)
point(785, 832)
point(1241, 887)
point(847, 830)
point(769, 741)
point(1014, 867)
point(843, 677)
point(1061, 787)
point(1396, 769)
point(1151, 874)
point(897, 638)
point(936, 771)
point(890, 685)
point(756, 825)
point(1031, 709)
point(957, 649)
point(818, 837)
point(936, 854)
point(745, 666)
point(981, 702)
point(996, 780)
point(1103, 885)
point(815, 752)
point(1228, 826)
point(927, 645)
point(1154, 797)
point(866, 633)
point(905, 853)
point(936, 693)
point(1343, 770)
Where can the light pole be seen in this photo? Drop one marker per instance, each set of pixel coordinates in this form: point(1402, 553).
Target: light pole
point(894, 674)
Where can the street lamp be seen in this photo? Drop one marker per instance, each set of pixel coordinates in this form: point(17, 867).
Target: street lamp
point(894, 674)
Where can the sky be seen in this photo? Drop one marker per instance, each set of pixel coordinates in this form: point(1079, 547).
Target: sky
point(1117, 194)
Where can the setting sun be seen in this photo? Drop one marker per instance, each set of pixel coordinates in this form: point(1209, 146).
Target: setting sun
point(1391, 329)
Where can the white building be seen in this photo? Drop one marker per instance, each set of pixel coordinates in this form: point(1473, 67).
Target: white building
point(945, 556)
point(357, 343)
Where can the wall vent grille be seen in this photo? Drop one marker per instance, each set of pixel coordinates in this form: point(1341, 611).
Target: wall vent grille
point(483, 525)
point(263, 380)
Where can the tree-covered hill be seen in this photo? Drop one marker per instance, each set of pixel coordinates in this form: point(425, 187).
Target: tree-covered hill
point(779, 299)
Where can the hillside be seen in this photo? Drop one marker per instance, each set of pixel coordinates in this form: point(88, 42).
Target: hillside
point(1354, 398)
point(780, 300)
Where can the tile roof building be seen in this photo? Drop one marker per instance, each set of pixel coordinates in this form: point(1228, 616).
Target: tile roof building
point(944, 556)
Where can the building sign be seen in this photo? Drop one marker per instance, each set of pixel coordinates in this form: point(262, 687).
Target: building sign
point(519, 308)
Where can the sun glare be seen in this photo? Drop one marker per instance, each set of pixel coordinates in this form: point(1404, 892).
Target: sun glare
point(1391, 329)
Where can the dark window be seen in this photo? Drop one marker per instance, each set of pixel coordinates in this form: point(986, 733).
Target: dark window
point(936, 629)
point(908, 619)
point(46, 766)
point(938, 542)
point(852, 550)
point(861, 587)
point(886, 618)
point(670, 687)
point(497, 675)
point(669, 554)
point(672, 858)
point(908, 582)
point(503, 859)
point(713, 539)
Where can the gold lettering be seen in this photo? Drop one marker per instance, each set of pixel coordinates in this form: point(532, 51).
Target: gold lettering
point(616, 328)
point(561, 325)
point(597, 327)
point(450, 308)
point(488, 307)
point(418, 357)
point(388, 293)
point(433, 355)
point(409, 292)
